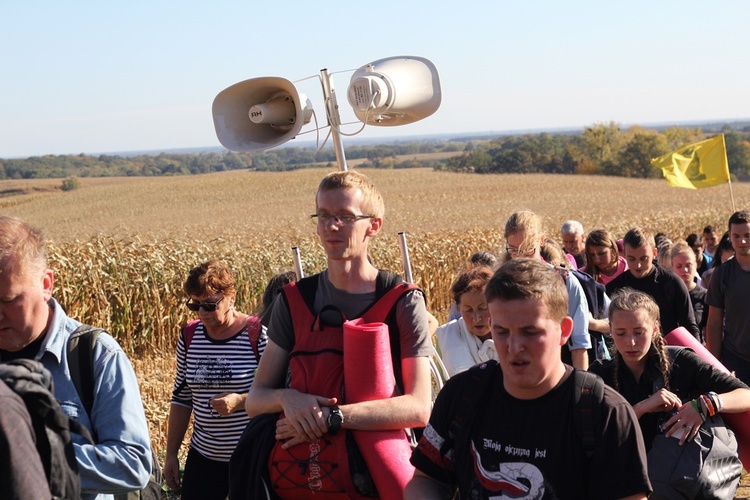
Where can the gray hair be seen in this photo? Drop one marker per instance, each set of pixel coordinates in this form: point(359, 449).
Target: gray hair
point(571, 227)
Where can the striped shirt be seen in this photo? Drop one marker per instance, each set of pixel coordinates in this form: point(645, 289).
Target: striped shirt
point(208, 368)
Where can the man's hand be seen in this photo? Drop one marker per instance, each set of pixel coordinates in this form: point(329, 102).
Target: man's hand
point(304, 419)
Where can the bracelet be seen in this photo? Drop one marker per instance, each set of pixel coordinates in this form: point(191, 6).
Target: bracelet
point(698, 409)
point(708, 405)
point(717, 401)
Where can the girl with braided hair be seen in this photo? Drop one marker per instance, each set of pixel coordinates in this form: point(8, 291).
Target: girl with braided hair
point(671, 389)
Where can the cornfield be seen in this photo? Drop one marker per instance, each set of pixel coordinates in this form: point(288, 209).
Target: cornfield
point(121, 248)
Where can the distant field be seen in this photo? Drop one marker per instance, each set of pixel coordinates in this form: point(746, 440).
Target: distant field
point(121, 246)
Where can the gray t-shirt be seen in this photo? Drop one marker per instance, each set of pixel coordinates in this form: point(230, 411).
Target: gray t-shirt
point(411, 316)
point(729, 289)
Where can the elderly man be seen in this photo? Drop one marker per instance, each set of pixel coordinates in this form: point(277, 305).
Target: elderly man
point(34, 326)
point(574, 241)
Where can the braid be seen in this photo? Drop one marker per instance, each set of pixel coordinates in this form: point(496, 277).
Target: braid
point(618, 357)
point(627, 299)
point(658, 342)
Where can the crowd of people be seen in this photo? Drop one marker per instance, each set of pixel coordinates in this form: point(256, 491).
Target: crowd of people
point(559, 374)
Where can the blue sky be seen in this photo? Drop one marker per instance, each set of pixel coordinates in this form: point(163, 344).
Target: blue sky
point(93, 76)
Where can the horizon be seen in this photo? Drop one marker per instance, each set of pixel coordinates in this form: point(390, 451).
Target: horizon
point(359, 141)
point(89, 78)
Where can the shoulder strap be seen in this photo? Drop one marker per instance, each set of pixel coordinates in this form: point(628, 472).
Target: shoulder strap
point(307, 288)
point(479, 380)
point(189, 332)
point(254, 329)
point(81, 362)
point(380, 310)
point(588, 393)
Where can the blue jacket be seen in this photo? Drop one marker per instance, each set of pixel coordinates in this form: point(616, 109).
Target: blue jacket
point(121, 459)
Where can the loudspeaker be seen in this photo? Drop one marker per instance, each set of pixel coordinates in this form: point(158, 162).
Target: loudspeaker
point(395, 91)
point(259, 113)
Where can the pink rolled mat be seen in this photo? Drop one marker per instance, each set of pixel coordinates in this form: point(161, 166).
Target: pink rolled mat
point(368, 375)
point(739, 422)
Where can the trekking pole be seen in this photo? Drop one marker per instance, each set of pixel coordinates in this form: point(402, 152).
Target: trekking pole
point(438, 371)
point(297, 263)
point(405, 257)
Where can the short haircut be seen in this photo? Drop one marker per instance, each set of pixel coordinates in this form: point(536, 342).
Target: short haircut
point(210, 278)
point(741, 217)
point(526, 222)
point(694, 239)
point(484, 258)
point(521, 279)
point(709, 229)
point(681, 247)
point(571, 227)
point(372, 201)
point(23, 242)
point(639, 237)
point(471, 279)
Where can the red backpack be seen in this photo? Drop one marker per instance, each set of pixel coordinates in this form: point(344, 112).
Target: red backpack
point(316, 362)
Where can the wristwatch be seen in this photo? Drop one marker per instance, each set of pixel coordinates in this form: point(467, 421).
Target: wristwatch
point(335, 419)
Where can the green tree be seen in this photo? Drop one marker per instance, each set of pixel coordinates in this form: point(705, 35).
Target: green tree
point(635, 159)
point(602, 143)
point(677, 137)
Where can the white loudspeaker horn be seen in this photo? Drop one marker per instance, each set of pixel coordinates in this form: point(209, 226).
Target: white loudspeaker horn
point(395, 91)
point(259, 113)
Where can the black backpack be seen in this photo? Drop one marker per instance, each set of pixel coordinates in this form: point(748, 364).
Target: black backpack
point(52, 427)
point(81, 364)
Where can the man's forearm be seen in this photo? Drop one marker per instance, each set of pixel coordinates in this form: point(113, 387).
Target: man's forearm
point(399, 412)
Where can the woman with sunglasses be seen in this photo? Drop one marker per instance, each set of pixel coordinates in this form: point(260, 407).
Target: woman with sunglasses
point(216, 366)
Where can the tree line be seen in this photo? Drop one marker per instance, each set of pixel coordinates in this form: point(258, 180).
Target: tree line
point(600, 149)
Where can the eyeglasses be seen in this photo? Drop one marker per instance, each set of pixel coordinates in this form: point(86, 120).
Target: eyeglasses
point(339, 220)
point(519, 251)
point(207, 306)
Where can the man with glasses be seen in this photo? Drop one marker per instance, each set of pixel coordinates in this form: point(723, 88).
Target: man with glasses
point(349, 213)
point(33, 325)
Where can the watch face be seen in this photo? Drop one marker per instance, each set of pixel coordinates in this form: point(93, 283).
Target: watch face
point(335, 419)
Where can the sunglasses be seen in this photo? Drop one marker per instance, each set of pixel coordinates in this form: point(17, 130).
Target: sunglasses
point(207, 306)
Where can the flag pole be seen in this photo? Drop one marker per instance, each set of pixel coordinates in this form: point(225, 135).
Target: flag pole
point(731, 195)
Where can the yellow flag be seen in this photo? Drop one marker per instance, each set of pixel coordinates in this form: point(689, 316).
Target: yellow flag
point(699, 165)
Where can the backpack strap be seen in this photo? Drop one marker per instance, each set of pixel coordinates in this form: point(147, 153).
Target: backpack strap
point(80, 350)
point(587, 395)
point(472, 395)
point(254, 329)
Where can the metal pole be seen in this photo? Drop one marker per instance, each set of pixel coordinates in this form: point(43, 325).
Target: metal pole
point(405, 257)
point(297, 263)
point(334, 119)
